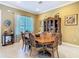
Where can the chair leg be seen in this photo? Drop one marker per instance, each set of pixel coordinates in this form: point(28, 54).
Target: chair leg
point(25, 48)
point(57, 53)
point(31, 51)
point(53, 53)
point(22, 45)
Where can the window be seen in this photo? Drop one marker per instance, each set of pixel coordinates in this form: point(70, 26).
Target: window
point(23, 23)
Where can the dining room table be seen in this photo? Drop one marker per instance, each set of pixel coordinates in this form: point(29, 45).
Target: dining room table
point(45, 39)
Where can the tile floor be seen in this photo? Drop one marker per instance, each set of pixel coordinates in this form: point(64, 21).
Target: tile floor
point(15, 51)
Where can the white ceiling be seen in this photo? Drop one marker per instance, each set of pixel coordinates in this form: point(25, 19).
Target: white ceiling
point(34, 6)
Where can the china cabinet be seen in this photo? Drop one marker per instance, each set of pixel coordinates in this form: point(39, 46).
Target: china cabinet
point(53, 24)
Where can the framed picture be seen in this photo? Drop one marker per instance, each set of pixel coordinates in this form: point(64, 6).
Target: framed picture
point(7, 22)
point(71, 20)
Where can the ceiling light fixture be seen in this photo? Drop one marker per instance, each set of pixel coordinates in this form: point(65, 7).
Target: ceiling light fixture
point(40, 2)
point(38, 9)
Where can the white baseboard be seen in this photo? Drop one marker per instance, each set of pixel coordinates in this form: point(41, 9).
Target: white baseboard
point(69, 44)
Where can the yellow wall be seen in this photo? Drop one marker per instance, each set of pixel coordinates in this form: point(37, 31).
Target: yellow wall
point(11, 15)
point(70, 34)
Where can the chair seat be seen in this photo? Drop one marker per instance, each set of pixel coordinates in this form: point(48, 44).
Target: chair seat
point(49, 46)
point(38, 45)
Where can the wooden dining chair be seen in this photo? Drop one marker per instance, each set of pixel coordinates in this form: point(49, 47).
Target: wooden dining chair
point(25, 41)
point(53, 47)
point(35, 46)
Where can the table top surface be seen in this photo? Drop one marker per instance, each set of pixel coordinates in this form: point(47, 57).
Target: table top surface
point(45, 39)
